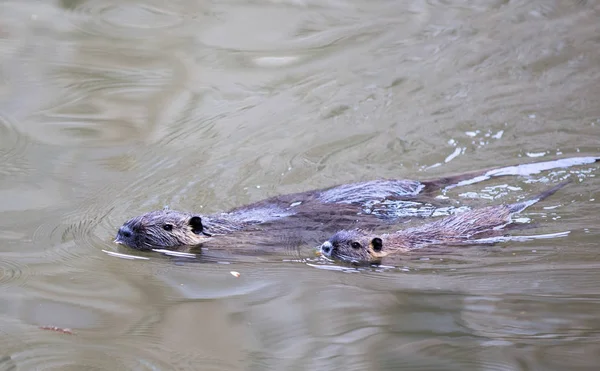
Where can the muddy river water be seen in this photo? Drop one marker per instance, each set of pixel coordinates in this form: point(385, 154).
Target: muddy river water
point(109, 109)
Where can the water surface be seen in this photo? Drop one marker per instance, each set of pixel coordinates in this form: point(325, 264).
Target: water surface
point(112, 109)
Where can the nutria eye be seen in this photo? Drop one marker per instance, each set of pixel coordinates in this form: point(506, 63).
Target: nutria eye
point(196, 223)
point(168, 227)
point(377, 244)
point(355, 245)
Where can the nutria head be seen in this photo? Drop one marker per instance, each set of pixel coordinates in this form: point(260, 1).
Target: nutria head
point(166, 229)
point(354, 246)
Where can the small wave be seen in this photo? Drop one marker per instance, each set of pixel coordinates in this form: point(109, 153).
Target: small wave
point(13, 273)
point(13, 149)
point(73, 237)
point(57, 355)
point(125, 21)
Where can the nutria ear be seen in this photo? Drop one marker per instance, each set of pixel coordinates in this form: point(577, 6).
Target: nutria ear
point(196, 223)
point(377, 244)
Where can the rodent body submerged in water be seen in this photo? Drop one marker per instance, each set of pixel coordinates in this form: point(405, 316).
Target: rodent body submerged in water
point(306, 217)
point(361, 247)
point(303, 218)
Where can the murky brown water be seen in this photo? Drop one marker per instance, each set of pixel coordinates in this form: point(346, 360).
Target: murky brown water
point(112, 108)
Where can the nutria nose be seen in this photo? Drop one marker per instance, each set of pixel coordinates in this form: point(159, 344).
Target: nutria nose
point(326, 247)
point(125, 231)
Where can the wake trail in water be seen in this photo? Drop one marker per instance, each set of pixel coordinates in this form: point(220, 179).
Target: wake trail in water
point(527, 169)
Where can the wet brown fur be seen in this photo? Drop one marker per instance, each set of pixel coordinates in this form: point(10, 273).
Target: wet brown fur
point(362, 247)
point(285, 221)
point(288, 221)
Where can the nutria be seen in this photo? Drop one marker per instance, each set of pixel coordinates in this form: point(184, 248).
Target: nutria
point(361, 247)
point(288, 221)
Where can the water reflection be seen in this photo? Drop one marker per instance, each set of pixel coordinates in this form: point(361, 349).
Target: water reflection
point(111, 109)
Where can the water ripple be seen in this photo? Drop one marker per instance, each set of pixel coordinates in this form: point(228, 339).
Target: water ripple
point(102, 105)
point(12, 273)
point(59, 354)
point(529, 318)
point(125, 21)
point(13, 149)
point(7, 364)
point(73, 237)
point(568, 356)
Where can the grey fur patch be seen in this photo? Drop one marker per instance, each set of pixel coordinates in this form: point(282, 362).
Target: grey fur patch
point(370, 191)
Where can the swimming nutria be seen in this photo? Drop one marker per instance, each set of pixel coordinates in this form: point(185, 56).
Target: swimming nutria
point(303, 218)
point(361, 247)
